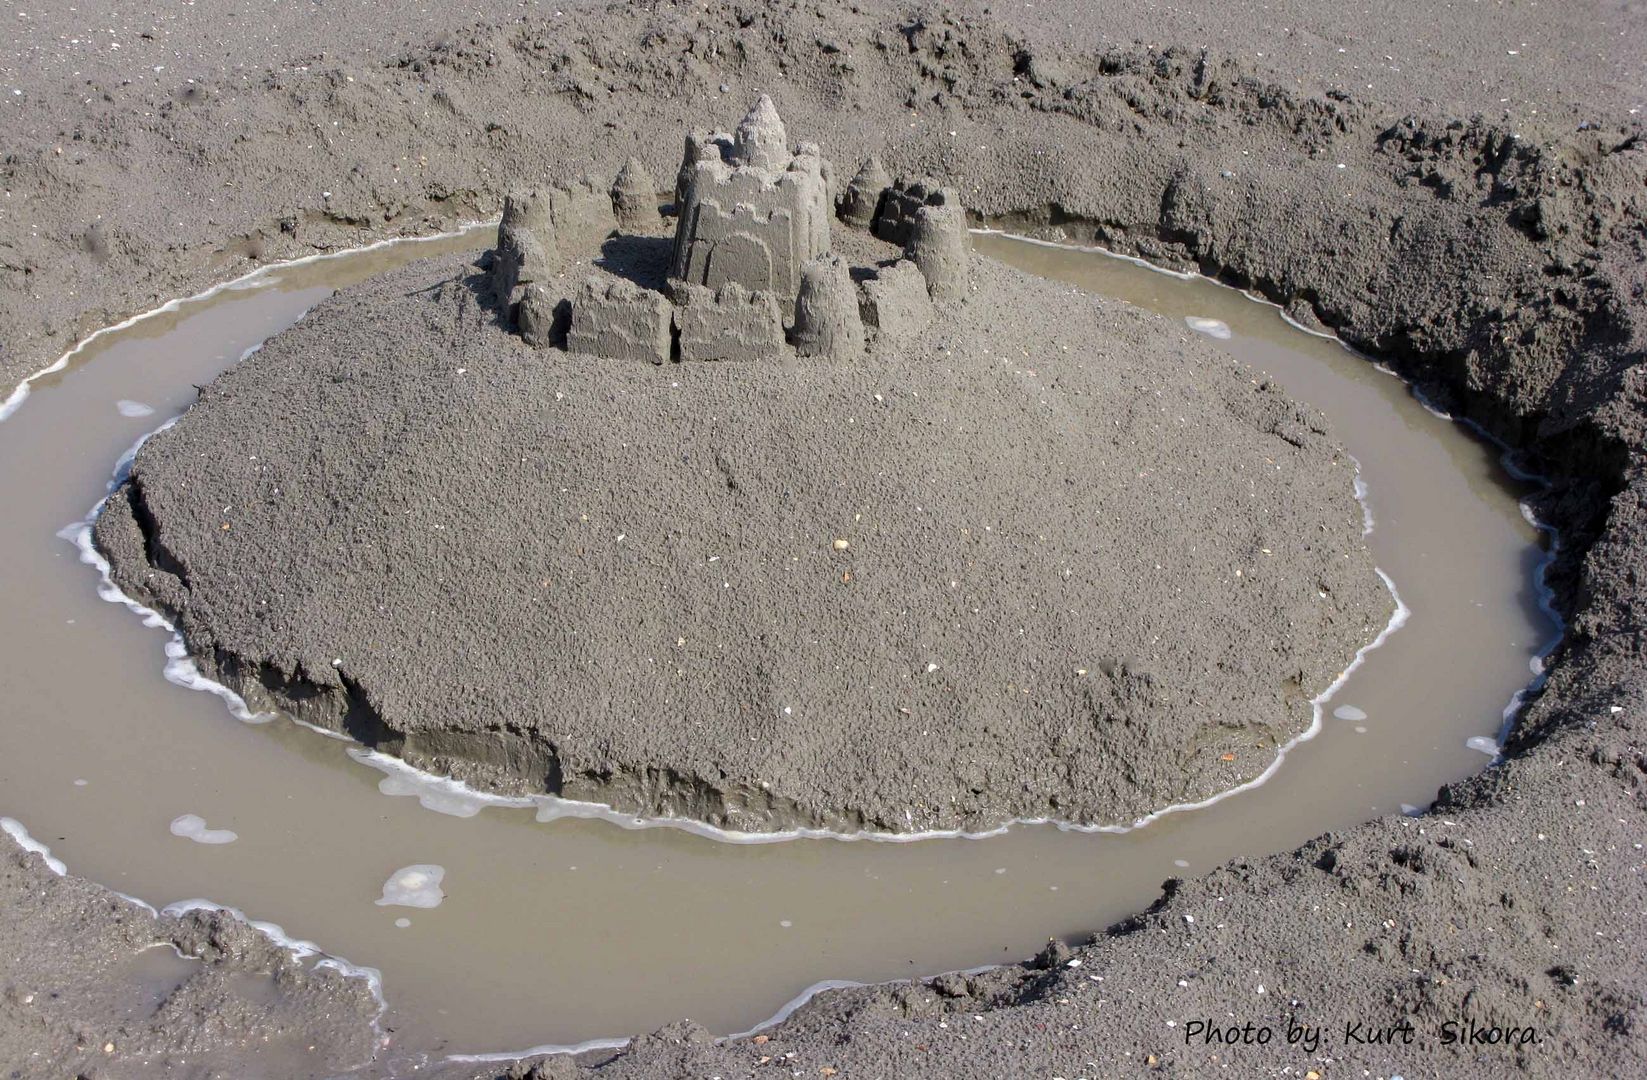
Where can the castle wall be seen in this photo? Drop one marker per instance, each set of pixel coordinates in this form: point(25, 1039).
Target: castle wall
point(730, 324)
point(749, 225)
point(619, 320)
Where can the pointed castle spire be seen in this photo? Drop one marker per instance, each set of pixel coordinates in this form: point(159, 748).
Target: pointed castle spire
point(761, 140)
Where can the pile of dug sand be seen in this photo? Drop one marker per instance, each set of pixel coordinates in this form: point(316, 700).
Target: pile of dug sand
point(1049, 558)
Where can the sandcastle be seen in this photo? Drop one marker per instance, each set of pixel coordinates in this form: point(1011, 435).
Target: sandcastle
point(751, 213)
point(751, 274)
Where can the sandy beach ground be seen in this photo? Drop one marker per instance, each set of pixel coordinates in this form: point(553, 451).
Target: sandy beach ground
point(1459, 191)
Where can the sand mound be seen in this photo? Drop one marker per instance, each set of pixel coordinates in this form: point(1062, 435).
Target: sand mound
point(1057, 558)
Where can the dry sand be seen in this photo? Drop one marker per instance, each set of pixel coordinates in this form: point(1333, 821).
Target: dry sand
point(1498, 261)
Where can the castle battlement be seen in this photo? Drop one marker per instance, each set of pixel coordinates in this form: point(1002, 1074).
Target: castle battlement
point(751, 211)
point(750, 275)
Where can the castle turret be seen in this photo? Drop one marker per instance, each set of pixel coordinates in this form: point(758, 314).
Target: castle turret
point(761, 141)
point(862, 200)
point(635, 198)
point(752, 211)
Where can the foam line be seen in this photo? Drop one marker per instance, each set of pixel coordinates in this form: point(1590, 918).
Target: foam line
point(1292, 322)
point(299, 948)
point(784, 1012)
point(1181, 275)
point(1359, 486)
point(789, 1008)
point(539, 1051)
point(441, 794)
point(14, 829)
point(248, 280)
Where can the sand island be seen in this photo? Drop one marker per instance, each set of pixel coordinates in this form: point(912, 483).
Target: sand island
point(781, 509)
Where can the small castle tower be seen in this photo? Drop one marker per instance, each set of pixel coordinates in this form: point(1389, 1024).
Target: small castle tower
point(752, 212)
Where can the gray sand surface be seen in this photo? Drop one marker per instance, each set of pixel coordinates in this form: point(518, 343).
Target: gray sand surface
point(96, 985)
point(1498, 261)
point(1088, 559)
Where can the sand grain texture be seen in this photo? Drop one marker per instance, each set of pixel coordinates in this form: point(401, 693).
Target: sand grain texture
point(1493, 255)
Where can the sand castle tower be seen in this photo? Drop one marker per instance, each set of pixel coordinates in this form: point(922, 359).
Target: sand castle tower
point(751, 275)
point(752, 212)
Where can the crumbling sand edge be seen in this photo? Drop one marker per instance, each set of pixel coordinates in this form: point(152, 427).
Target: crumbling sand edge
point(297, 948)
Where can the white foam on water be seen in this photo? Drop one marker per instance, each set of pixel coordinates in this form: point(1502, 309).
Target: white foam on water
point(416, 886)
point(1181, 275)
point(1359, 486)
point(193, 827)
point(403, 922)
point(443, 795)
point(538, 1051)
point(14, 829)
point(452, 806)
point(261, 277)
point(1431, 408)
point(1213, 328)
point(299, 948)
point(783, 1013)
point(133, 409)
point(1292, 322)
point(1349, 712)
point(1483, 743)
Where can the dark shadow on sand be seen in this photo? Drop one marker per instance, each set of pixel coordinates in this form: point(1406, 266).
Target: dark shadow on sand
point(641, 259)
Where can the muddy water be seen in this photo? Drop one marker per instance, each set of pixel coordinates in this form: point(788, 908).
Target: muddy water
point(570, 930)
